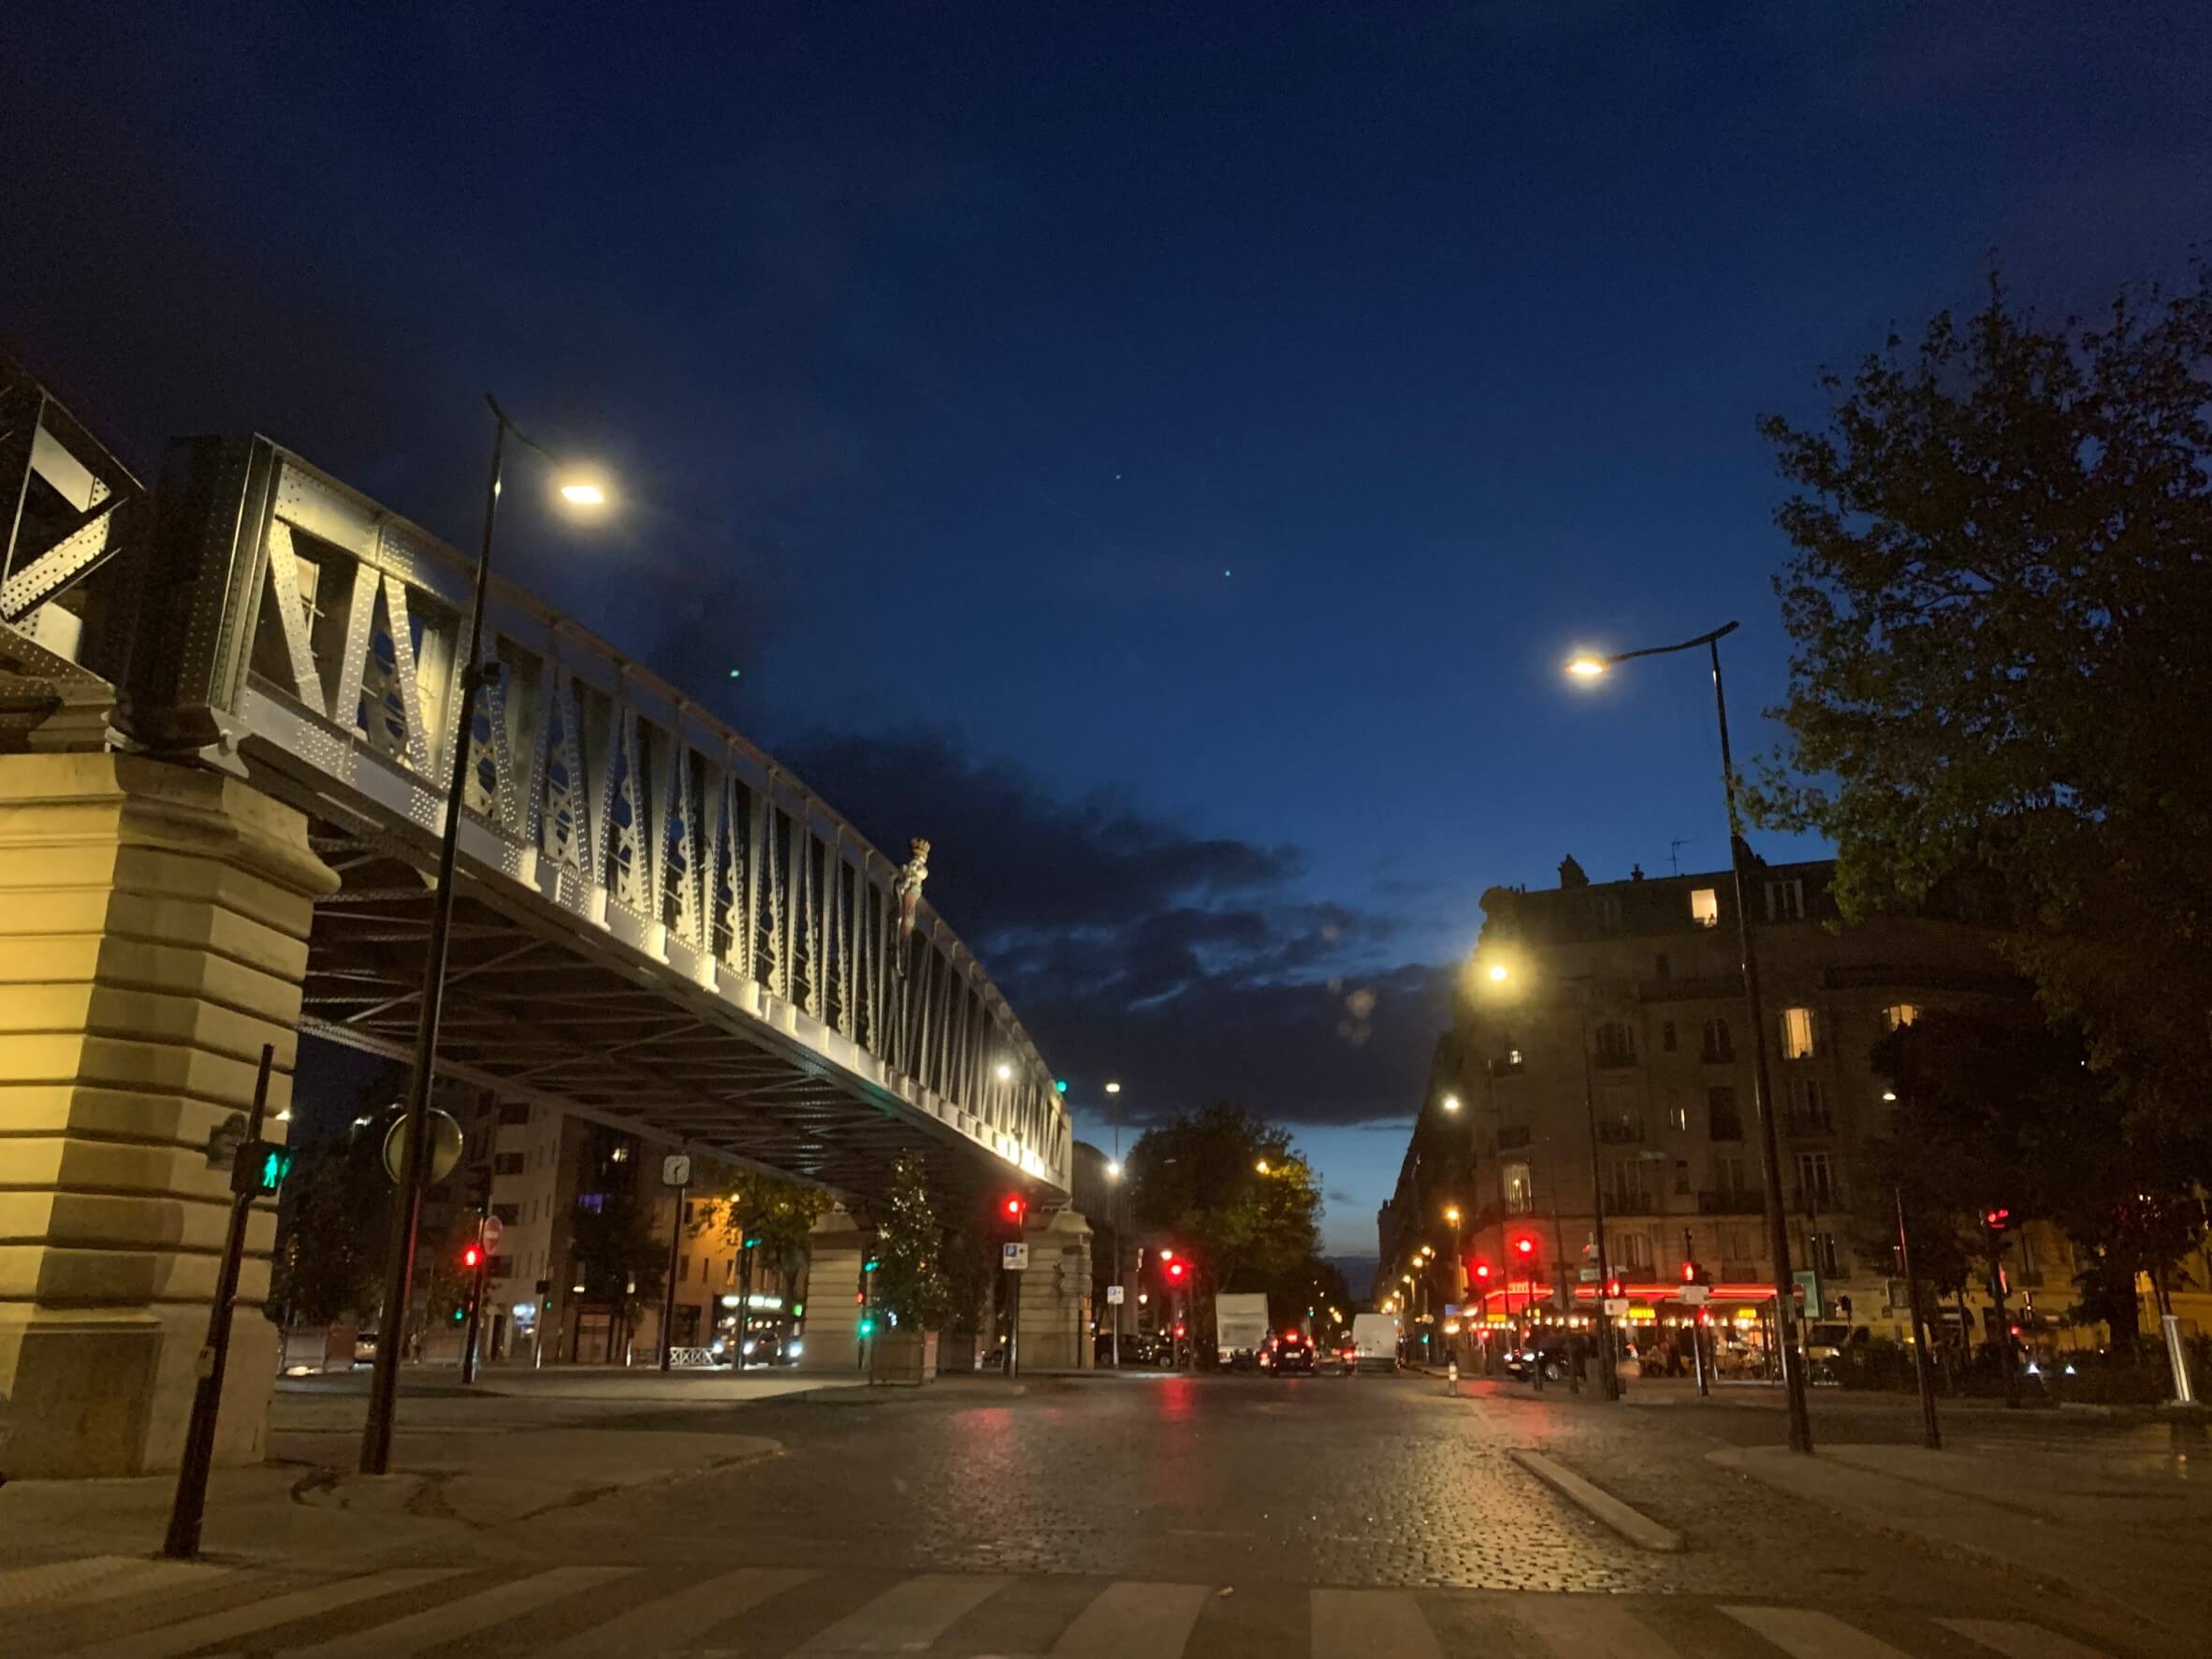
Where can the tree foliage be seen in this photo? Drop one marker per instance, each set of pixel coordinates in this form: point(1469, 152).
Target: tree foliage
point(617, 1253)
point(910, 1252)
point(1195, 1184)
point(334, 1218)
point(1999, 598)
point(778, 1214)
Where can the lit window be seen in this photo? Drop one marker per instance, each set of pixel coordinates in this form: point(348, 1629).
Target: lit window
point(1519, 1195)
point(1904, 1013)
point(1705, 906)
point(1797, 1033)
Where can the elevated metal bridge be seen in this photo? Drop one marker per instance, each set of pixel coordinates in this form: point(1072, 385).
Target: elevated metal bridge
point(656, 925)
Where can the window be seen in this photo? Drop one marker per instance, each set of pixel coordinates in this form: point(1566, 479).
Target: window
point(1727, 1172)
point(1737, 1246)
point(1720, 1048)
point(495, 1267)
point(1722, 1122)
point(592, 1202)
point(507, 1163)
point(1785, 900)
point(1901, 1013)
point(508, 1213)
point(1816, 1181)
point(1605, 912)
point(1520, 1197)
point(1628, 1184)
point(729, 1271)
point(1632, 1253)
point(1705, 906)
point(1681, 1175)
point(1661, 967)
point(1808, 1108)
point(1797, 1033)
point(683, 1270)
point(1667, 1036)
point(1620, 1121)
point(513, 1112)
point(1616, 1043)
point(1827, 1260)
point(1678, 1115)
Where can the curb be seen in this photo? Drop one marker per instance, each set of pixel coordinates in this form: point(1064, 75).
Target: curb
point(1633, 1524)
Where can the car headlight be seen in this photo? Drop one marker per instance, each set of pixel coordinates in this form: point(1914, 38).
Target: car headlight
point(795, 1349)
point(747, 1350)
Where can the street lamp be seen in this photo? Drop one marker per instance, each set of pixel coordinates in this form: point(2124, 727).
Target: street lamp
point(1449, 1102)
point(1499, 973)
point(1113, 1088)
point(1005, 1072)
point(1261, 1166)
point(376, 1434)
point(1591, 665)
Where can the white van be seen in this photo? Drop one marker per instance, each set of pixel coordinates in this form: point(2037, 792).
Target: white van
point(1374, 1341)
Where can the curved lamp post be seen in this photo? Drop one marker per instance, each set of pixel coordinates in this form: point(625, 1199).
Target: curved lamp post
point(1590, 665)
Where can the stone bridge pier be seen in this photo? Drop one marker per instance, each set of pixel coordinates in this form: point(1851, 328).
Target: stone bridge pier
point(153, 927)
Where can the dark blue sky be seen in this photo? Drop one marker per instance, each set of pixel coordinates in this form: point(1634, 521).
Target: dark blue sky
point(1159, 453)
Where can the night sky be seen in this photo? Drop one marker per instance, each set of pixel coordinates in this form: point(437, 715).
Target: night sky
point(1160, 454)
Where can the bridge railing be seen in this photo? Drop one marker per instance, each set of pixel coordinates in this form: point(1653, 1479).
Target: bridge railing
point(278, 605)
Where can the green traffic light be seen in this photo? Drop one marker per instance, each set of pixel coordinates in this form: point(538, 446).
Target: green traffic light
point(867, 1327)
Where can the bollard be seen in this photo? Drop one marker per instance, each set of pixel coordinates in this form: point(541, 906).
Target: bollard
point(1451, 1380)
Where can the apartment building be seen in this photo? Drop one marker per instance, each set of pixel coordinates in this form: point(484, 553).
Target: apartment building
point(1611, 1014)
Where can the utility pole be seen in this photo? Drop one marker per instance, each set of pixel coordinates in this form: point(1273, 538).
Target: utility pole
point(250, 1165)
point(1930, 1435)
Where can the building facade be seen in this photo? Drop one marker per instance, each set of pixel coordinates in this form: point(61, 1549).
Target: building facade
point(1601, 1044)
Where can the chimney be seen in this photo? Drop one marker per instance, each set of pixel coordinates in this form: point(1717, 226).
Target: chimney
point(1570, 873)
point(1635, 872)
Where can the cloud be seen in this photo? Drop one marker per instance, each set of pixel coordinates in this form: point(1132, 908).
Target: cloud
point(1189, 968)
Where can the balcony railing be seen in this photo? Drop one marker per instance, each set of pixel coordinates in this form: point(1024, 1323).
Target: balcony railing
point(1739, 1200)
point(1722, 1055)
point(1809, 1126)
point(1743, 1273)
point(1631, 1203)
point(1612, 1060)
point(1622, 1132)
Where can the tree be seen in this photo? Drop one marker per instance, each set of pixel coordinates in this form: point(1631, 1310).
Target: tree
point(1196, 1184)
point(777, 1215)
point(618, 1258)
point(333, 1220)
point(910, 1252)
point(1999, 598)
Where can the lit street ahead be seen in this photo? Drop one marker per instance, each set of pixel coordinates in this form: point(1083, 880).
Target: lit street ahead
point(1134, 1515)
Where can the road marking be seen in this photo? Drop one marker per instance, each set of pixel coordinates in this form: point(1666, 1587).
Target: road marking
point(98, 1577)
point(906, 1618)
point(1588, 1627)
point(2017, 1640)
point(445, 1623)
point(1128, 1617)
point(1811, 1635)
point(1360, 1624)
point(265, 1615)
point(694, 1607)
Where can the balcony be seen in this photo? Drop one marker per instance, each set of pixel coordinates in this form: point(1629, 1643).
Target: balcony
point(1717, 1057)
point(1743, 1273)
point(1612, 1060)
point(1622, 1132)
point(1739, 1200)
point(1809, 1126)
point(1631, 1203)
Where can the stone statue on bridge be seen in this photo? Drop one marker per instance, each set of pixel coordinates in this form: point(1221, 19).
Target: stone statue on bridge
point(907, 886)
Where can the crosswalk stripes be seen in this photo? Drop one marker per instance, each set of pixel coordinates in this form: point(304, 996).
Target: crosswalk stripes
point(906, 1618)
point(694, 1608)
point(1131, 1618)
point(1351, 1624)
point(809, 1613)
point(2018, 1640)
point(1804, 1633)
point(168, 1640)
point(444, 1624)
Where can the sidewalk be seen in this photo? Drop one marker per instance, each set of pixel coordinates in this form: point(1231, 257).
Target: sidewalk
point(2120, 1524)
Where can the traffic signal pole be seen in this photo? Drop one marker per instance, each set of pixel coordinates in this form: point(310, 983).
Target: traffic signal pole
point(189, 1509)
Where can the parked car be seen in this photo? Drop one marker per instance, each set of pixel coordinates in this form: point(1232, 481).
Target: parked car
point(1287, 1355)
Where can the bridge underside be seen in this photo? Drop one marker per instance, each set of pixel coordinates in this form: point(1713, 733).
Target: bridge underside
point(554, 1014)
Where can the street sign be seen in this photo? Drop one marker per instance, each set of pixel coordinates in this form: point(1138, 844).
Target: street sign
point(1696, 1295)
point(1589, 1274)
point(446, 1146)
point(491, 1233)
point(1013, 1258)
point(1616, 1307)
point(1113, 1295)
point(675, 1169)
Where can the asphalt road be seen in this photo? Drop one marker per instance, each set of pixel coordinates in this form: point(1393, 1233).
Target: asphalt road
point(1134, 1515)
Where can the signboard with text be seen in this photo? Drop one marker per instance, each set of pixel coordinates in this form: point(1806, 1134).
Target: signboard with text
point(1113, 1295)
point(1013, 1258)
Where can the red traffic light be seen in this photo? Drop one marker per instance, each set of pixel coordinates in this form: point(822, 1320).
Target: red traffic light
point(1614, 1288)
point(1482, 1270)
point(471, 1255)
point(1175, 1270)
point(1013, 1206)
point(1997, 1220)
point(1689, 1272)
point(1524, 1246)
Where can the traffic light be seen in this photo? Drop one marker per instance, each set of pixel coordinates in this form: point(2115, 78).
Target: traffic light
point(868, 1326)
point(1525, 1246)
point(1012, 1208)
point(259, 1166)
point(1483, 1272)
point(1175, 1270)
point(471, 1256)
point(1997, 1220)
point(1689, 1272)
point(1615, 1289)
